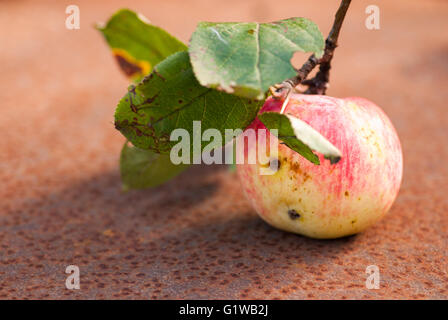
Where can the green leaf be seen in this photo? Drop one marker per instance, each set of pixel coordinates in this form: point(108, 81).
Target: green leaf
point(144, 168)
point(232, 166)
point(171, 98)
point(136, 44)
point(300, 136)
point(245, 59)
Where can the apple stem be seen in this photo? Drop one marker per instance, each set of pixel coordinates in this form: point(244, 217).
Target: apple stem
point(285, 103)
point(318, 84)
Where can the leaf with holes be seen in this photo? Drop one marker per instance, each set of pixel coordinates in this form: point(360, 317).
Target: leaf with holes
point(171, 98)
point(300, 137)
point(136, 44)
point(245, 59)
point(144, 168)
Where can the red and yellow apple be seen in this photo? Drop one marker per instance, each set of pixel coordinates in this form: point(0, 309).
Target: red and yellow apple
point(328, 200)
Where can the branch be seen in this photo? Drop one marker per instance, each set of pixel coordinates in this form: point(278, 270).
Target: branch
point(319, 83)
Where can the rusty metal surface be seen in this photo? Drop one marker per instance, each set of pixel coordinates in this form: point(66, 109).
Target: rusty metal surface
point(197, 237)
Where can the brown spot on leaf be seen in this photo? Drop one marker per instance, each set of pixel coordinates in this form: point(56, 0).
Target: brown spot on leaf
point(120, 125)
point(159, 75)
point(128, 68)
point(133, 108)
point(132, 67)
point(150, 99)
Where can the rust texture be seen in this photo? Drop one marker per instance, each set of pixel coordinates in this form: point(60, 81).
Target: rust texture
point(197, 237)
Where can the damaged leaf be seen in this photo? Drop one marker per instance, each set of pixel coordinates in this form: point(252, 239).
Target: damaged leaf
point(300, 137)
point(171, 98)
point(245, 59)
point(136, 44)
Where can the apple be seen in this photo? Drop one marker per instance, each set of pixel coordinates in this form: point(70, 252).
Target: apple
point(328, 200)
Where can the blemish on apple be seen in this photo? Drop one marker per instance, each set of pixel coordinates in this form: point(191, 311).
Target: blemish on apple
point(293, 214)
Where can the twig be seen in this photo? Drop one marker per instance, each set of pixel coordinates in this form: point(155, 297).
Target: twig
point(319, 83)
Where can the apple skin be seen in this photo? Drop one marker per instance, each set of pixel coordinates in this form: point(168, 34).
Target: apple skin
point(328, 200)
